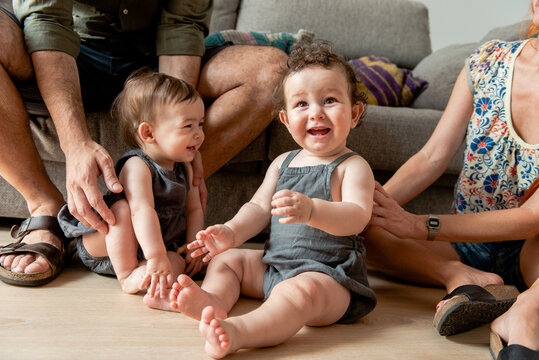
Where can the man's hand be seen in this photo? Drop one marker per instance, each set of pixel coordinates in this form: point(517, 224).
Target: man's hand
point(83, 167)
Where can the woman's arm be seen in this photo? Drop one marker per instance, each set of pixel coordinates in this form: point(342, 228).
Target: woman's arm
point(422, 169)
point(497, 225)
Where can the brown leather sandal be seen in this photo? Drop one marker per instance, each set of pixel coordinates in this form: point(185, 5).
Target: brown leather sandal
point(55, 257)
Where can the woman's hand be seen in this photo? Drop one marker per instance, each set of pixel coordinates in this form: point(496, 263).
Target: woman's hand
point(389, 215)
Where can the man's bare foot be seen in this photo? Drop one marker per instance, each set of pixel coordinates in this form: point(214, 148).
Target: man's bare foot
point(131, 284)
point(520, 324)
point(188, 298)
point(216, 332)
point(30, 263)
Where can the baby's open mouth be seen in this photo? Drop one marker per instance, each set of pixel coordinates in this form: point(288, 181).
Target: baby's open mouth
point(318, 131)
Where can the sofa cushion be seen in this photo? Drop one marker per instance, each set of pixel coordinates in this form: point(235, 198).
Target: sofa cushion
point(511, 32)
point(224, 14)
point(385, 84)
point(441, 69)
point(396, 29)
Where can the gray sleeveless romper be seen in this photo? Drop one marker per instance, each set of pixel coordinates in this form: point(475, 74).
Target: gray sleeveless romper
point(297, 248)
point(170, 200)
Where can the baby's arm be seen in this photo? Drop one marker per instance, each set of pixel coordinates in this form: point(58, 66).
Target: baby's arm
point(345, 216)
point(252, 218)
point(137, 181)
point(195, 222)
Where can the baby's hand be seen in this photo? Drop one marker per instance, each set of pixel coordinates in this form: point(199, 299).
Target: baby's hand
point(211, 242)
point(158, 273)
point(194, 264)
point(294, 206)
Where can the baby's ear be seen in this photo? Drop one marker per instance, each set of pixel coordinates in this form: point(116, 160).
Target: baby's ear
point(283, 117)
point(357, 110)
point(145, 132)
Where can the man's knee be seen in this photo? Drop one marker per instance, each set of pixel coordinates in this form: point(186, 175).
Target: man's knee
point(14, 56)
point(267, 70)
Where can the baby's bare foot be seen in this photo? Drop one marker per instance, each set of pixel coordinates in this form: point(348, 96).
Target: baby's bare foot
point(188, 298)
point(131, 284)
point(218, 343)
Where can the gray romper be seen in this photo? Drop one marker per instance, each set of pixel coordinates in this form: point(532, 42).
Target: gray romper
point(170, 199)
point(296, 248)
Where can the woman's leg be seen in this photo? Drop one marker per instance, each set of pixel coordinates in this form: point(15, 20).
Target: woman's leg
point(520, 325)
point(311, 298)
point(423, 262)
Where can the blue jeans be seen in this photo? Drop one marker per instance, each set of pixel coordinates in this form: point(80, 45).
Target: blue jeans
point(502, 258)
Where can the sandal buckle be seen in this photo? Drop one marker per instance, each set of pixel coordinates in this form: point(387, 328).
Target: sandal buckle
point(18, 232)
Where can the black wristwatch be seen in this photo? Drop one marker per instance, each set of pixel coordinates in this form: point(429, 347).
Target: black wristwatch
point(433, 225)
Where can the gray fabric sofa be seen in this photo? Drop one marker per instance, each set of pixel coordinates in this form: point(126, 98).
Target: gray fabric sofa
point(388, 136)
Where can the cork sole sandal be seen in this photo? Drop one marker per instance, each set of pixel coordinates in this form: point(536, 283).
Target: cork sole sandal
point(55, 257)
point(470, 306)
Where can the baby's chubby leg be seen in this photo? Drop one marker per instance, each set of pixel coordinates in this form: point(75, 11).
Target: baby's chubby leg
point(122, 248)
point(229, 274)
point(310, 298)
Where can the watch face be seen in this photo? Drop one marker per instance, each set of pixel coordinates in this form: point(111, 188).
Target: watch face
point(434, 223)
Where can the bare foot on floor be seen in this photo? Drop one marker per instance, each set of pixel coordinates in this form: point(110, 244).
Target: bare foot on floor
point(131, 284)
point(217, 334)
point(188, 298)
point(518, 325)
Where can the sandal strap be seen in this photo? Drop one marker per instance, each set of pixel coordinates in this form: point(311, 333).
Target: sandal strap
point(53, 255)
point(38, 223)
point(472, 292)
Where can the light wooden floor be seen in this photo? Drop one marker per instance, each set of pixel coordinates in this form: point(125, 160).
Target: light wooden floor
point(82, 315)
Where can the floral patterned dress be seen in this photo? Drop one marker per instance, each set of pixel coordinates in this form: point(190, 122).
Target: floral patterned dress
point(498, 165)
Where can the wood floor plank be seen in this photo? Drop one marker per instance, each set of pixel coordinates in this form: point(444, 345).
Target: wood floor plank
point(82, 315)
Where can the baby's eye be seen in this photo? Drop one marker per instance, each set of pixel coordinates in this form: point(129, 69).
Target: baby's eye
point(301, 104)
point(201, 124)
point(331, 100)
point(188, 126)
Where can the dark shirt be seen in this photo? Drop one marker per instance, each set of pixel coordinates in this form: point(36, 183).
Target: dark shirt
point(167, 27)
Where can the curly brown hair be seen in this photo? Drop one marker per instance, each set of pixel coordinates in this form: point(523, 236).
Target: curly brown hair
point(317, 53)
point(143, 94)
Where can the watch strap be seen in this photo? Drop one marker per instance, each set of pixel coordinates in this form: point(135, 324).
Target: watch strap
point(433, 225)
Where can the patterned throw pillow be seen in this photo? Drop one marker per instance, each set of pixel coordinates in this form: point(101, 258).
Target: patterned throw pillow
point(384, 83)
point(282, 40)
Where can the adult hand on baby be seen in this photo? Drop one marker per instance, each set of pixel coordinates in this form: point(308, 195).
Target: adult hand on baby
point(212, 241)
point(389, 215)
point(294, 206)
point(158, 272)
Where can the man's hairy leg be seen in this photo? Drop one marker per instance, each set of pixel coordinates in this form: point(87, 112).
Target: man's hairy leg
point(240, 80)
point(23, 168)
